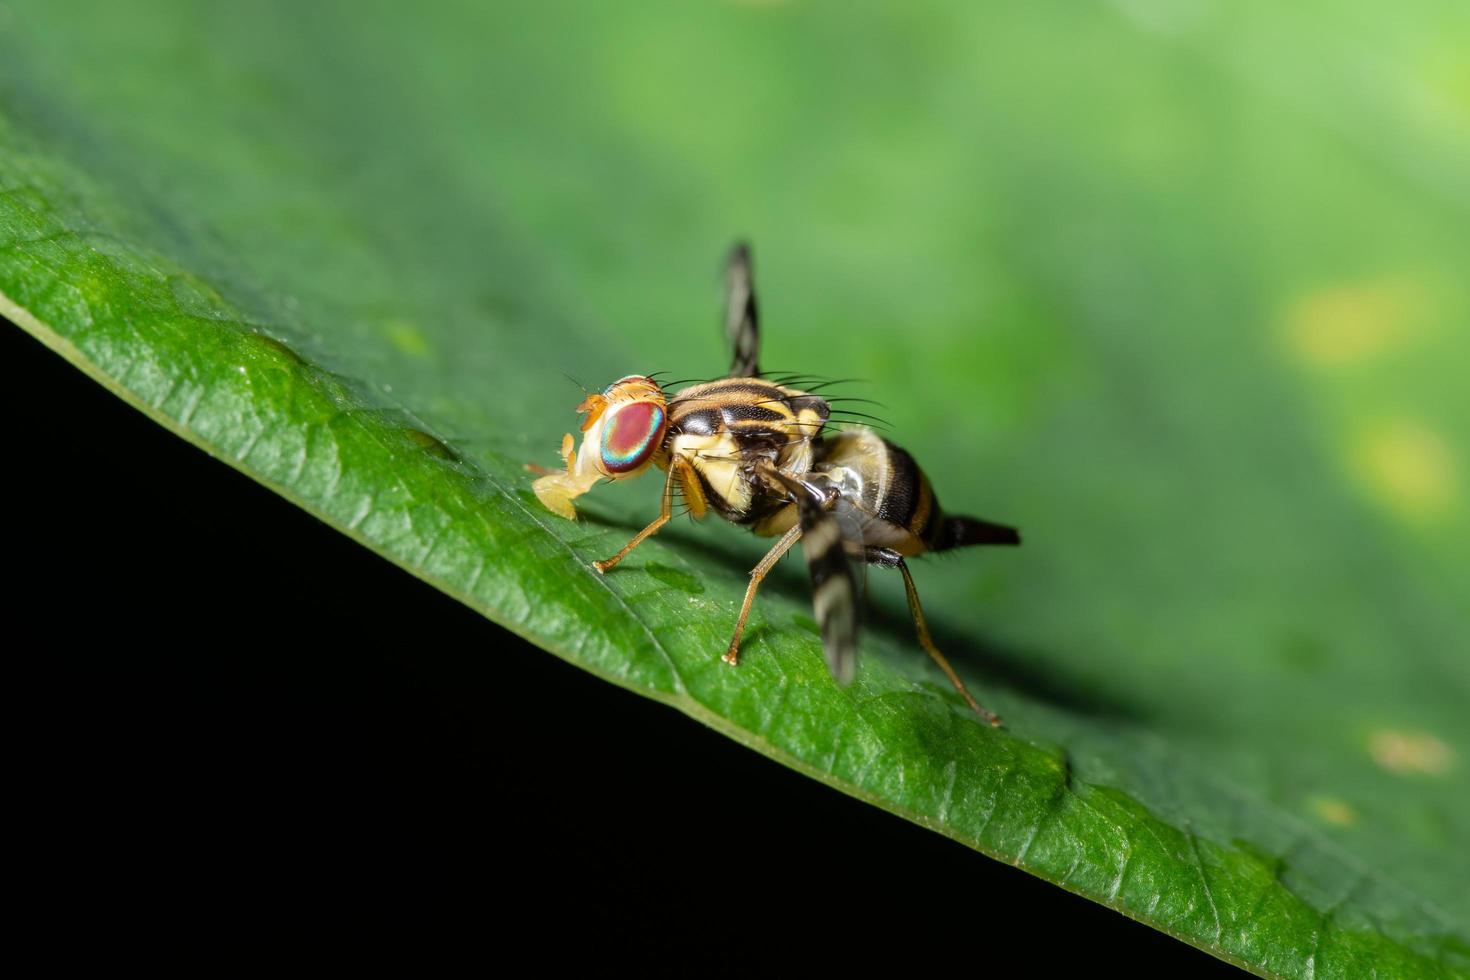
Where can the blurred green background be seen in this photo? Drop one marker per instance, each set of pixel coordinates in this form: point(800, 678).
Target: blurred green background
point(1177, 288)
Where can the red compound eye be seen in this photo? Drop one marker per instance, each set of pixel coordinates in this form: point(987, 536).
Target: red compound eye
point(630, 434)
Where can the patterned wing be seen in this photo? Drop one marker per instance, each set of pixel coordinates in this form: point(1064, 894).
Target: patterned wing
point(835, 583)
point(742, 321)
point(830, 553)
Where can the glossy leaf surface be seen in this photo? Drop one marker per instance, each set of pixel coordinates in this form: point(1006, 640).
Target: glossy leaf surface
point(1178, 290)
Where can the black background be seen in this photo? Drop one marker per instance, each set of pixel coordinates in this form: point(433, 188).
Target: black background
point(244, 726)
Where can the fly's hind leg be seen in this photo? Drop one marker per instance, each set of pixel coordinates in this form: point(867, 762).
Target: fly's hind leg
point(732, 655)
point(892, 559)
point(666, 510)
point(927, 642)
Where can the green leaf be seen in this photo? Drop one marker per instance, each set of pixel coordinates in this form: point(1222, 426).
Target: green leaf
point(1176, 288)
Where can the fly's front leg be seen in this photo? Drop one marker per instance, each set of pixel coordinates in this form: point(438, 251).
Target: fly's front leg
point(732, 655)
point(782, 486)
point(666, 510)
point(832, 578)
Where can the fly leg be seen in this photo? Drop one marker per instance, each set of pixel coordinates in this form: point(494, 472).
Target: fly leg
point(732, 655)
point(892, 559)
point(834, 586)
point(666, 510)
point(834, 582)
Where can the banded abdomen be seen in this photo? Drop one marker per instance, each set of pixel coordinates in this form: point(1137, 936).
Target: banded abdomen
point(889, 499)
point(723, 428)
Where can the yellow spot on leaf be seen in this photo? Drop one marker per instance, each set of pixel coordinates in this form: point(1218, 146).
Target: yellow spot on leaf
point(1334, 811)
point(406, 337)
point(1442, 89)
point(1352, 322)
point(1406, 753)
point(1408, 467)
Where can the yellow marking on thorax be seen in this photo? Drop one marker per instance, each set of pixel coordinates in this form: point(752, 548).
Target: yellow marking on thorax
point(717, 459)
point(780, 522)
point(716, 395)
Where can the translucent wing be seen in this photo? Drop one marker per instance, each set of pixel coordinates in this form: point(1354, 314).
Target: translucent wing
point(742, 321)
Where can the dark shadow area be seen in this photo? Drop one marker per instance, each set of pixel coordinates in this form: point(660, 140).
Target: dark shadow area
point(238, 722)
point(996, 663)
point(1008, 666)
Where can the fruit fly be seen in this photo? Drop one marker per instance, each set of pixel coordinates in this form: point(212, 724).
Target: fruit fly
point(761, 454)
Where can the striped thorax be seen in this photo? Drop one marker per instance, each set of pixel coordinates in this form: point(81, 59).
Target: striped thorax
point(724, 428)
